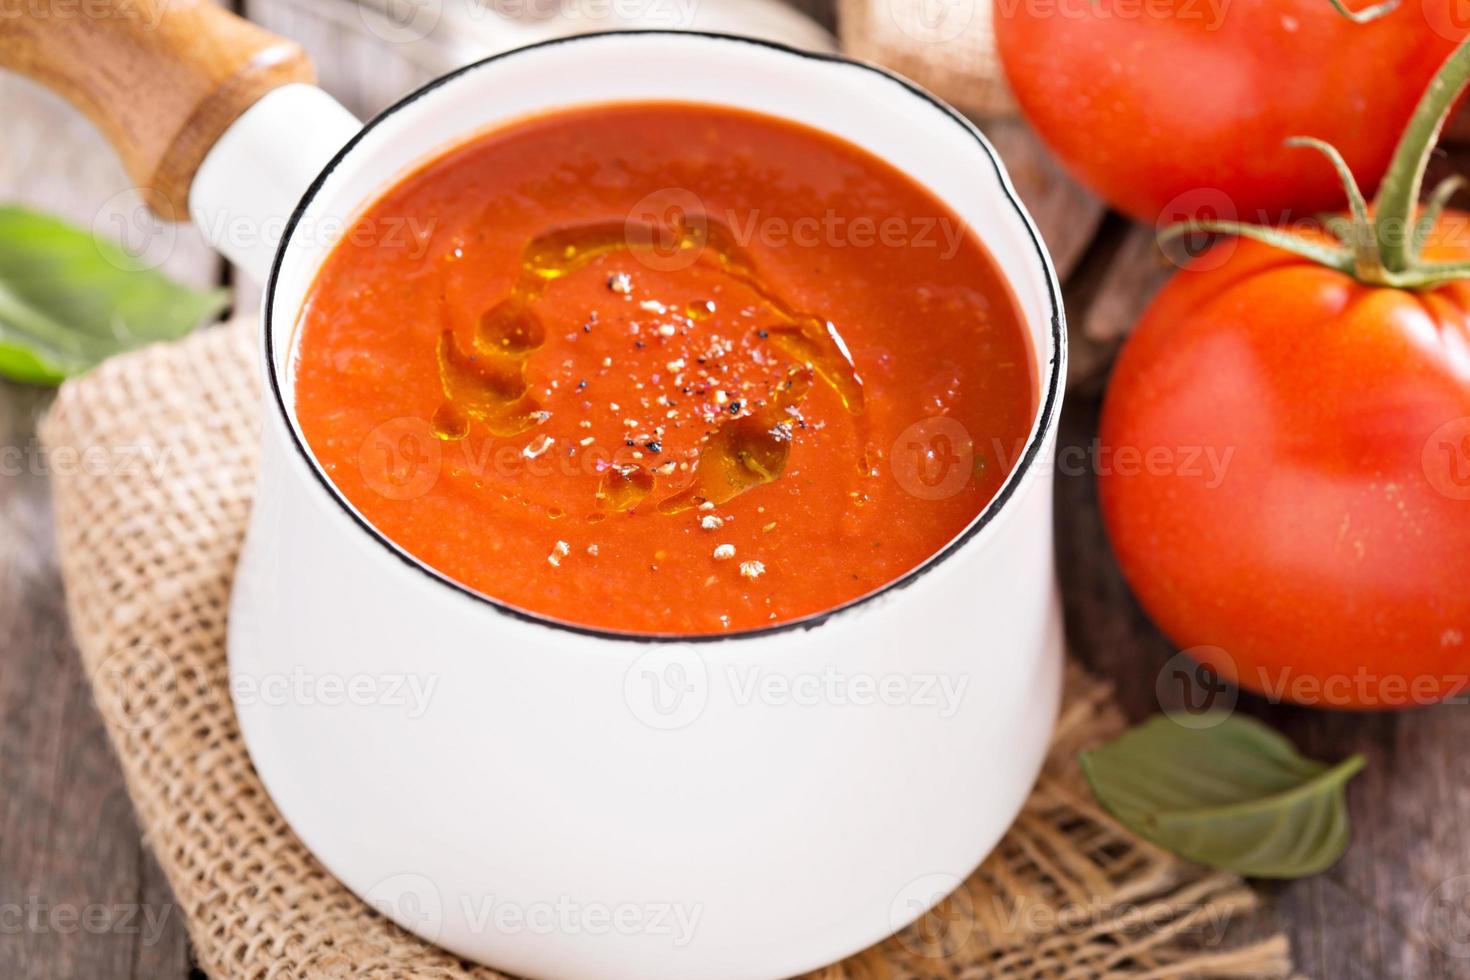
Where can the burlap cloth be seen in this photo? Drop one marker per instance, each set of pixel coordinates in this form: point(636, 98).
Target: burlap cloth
point(148, 542)
point(947, 46)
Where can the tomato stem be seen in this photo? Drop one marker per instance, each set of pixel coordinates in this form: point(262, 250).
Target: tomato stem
point(1358, 233)
point(1368, 14)
point(1381, 246)
point(1433, 208)
point(1334, 258)
point(1399, 192)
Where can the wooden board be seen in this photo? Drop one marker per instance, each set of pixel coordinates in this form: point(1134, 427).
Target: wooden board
point(67, 835)
point(68, 839)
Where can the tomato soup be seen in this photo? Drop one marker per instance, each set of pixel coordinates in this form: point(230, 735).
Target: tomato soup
point(664, 368)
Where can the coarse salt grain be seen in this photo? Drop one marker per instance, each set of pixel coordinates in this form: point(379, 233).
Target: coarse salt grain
point(725, 552)
point(752, 569)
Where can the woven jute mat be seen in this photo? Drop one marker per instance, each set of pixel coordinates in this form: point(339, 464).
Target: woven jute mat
point(159, 450)
point(947, 46)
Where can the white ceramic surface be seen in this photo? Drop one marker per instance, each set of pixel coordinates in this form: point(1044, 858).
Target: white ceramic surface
point(565, 804)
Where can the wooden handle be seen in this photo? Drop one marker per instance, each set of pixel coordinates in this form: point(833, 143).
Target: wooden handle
point(163, 79)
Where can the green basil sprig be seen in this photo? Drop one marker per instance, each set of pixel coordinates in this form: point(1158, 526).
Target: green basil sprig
point(1229, 793)
point(69, 299)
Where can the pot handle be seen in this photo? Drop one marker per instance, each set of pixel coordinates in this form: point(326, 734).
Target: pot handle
point(162, 79)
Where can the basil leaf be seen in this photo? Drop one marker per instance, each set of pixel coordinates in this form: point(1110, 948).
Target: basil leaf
point(69, 299)
point(1231, 794)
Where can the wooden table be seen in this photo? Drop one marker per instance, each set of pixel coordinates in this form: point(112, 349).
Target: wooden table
point(68, 839)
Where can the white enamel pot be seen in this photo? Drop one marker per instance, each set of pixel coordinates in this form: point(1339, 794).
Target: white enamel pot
point(565, 803)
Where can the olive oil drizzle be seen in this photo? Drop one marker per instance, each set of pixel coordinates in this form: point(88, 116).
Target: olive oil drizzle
point(747, 452)
point(750, 448)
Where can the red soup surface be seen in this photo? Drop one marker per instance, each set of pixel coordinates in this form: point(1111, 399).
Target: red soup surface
point(664, 368)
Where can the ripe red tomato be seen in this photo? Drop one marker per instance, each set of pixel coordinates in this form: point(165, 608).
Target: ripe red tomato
point(1326, 549)
point(1169, 108)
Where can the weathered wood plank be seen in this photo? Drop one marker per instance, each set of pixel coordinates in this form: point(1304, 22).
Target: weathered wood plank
point(1106, 294)
point(362, 71)
point(69, 845)
point(1066, 215)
